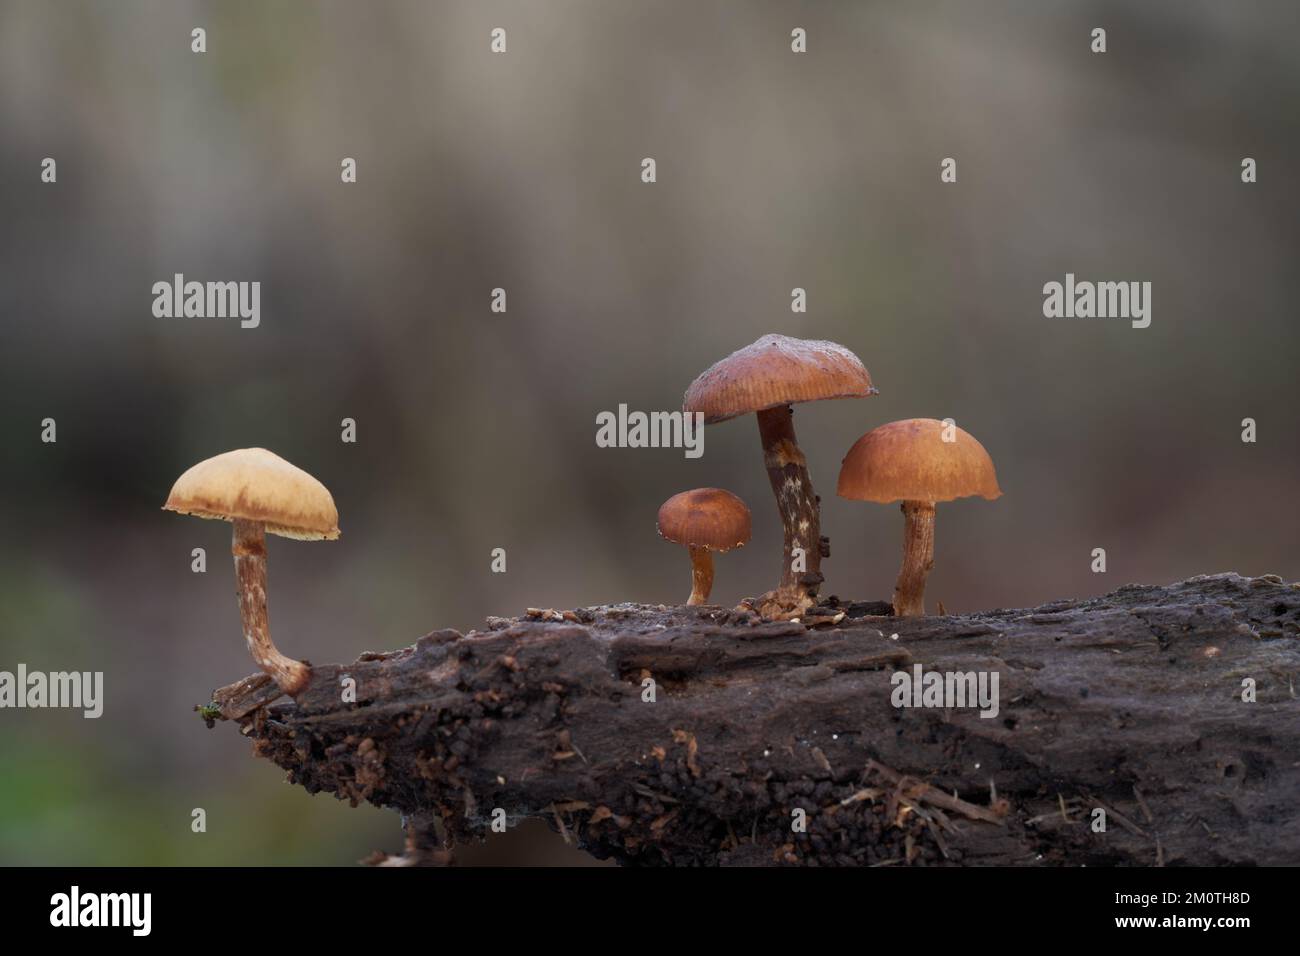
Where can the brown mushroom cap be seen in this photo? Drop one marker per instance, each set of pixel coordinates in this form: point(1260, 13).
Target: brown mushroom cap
point(776, 370)
point(705, 518)
point(257, 485)
point(910, 461)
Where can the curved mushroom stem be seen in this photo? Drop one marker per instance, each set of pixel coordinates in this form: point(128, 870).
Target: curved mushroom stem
point(249, 548)
point(701, 575)
point(918, 558)
point(787, 470)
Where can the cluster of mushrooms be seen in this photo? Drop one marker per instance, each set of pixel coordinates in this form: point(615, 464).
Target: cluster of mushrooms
point(911, 461)
point(919, 462)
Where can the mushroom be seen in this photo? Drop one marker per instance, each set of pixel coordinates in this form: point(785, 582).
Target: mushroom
point(765, 378)
point(259, 492)
point(910, 461)
point(705, 520)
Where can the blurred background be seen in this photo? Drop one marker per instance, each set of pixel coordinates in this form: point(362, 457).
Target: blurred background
point(475, 430)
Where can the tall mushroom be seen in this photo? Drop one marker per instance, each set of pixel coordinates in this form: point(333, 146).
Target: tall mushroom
point(259, 492)
point(914, 462)
point(705, 520)
point(766, 378)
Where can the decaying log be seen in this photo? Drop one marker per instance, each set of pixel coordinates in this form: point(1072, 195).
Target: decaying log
point(1131, 704)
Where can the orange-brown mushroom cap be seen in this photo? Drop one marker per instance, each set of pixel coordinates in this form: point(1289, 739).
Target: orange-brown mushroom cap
point(705, 518)
point(910, 461)
point(257, 485)
point(776, 370)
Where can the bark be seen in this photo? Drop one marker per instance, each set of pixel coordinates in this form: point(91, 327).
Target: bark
point(1131, 704)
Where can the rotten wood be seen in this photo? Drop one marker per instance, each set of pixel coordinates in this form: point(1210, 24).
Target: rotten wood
point(1130, 703)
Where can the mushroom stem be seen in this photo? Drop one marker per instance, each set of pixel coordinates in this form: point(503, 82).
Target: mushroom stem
point(249, 548)
point(787, 470)
point(918, 558)
point(701, 575)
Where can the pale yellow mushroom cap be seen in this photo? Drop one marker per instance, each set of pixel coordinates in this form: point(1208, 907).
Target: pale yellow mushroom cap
point(257, 485)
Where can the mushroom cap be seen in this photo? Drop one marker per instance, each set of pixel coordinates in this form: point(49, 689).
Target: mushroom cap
point(910, 461)
point(257, 485)
point(705, 518)
point(776, 370)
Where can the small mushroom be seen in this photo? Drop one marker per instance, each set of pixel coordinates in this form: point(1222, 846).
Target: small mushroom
point(705, 520)
point(259, 492)
point(909, 461)
point(765, 378)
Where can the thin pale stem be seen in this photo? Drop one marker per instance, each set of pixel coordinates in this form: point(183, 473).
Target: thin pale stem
point(249, 547)
point(918, 558)
point(701, 575)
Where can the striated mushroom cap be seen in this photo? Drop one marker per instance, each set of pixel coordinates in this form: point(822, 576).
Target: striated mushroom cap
point(257, 485)
point(776, 370)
